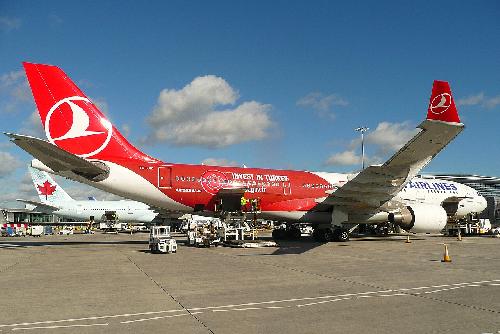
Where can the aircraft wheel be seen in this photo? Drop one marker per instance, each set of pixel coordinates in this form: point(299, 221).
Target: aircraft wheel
point(328, 235)
point(323, 234)
point(341, 235)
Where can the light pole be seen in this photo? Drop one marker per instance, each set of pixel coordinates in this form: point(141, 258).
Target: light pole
point(362, 129)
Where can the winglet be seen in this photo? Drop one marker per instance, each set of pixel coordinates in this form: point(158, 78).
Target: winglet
point(442, 105)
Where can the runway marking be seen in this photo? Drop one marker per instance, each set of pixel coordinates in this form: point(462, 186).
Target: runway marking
point(54, 327)
point(271, 304)
point(480, 282)
point(246, 309)
point(285, 300)
point(90, 318)
point(322, 302)
point(7, 246)
point(395, 294)
point(157, 318)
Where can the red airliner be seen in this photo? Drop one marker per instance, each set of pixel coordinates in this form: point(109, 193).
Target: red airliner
point(84, 146)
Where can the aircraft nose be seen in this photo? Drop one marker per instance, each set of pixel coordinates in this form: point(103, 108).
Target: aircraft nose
point(482, 204)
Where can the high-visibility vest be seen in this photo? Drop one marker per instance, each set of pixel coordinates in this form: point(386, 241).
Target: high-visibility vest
point(243, 201)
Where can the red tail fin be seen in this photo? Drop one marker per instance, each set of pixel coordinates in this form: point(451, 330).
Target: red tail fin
point(442, 106)
point(72, 121)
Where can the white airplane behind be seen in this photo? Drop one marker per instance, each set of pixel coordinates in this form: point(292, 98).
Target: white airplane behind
point(56, 201)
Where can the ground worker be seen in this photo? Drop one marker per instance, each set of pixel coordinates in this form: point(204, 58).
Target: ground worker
point(243, 203)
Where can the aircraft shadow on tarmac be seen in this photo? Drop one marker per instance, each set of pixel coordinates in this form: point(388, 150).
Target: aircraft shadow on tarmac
point(306, 244)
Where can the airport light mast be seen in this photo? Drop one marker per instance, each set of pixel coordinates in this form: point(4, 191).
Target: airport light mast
point(362, 129)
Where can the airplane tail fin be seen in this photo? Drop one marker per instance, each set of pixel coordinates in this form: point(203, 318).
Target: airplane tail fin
point(48, 190)
point(442, 105)
point(72, 121)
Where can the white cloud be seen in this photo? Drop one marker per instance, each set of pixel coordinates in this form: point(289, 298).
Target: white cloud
point(386, 139)
point(322, 104)
point(8, 24)
point(346, 158)
point(8, 163)
point(219, 162)
point(189, 116)
point(14, 89)
point(26, 189)
point(390, 137)
point(22, 189)
point(10, 79)
point(481, 100)
point(471, 100)
point(32, 126)
point(492, 102)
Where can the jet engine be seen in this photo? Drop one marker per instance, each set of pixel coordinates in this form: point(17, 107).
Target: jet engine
point(420, 218)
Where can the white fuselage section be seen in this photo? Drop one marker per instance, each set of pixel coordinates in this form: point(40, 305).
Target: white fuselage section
point(440, 192)
point(126, 211)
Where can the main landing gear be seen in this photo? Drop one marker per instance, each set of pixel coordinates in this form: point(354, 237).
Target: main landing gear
point(331, 234)
point(321, 234)
point(288, 233)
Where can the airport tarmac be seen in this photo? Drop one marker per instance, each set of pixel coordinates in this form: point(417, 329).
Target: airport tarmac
point(106, 283)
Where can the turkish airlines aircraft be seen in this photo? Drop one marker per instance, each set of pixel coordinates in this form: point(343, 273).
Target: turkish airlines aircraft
point(54, 200)
point(84, 146)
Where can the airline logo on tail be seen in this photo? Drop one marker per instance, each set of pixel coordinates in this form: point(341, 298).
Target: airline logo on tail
point(76, 124)
point(440, 103)
point(46, 189)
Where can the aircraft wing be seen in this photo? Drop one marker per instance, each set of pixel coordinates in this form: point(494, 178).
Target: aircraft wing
point(376, 185)
point(39, 205)
point(58, 159)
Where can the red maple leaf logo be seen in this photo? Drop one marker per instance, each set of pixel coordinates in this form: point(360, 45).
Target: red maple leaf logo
point(46, 189)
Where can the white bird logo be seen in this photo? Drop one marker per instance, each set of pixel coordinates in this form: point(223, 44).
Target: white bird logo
point(80, 124)
point(440, 103)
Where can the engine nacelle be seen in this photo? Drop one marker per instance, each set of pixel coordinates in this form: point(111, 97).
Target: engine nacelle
point(420, 218)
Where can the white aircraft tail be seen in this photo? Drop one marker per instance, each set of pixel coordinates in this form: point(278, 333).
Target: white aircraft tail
point(48, 190)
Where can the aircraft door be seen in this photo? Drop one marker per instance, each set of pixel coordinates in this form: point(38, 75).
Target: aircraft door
point(165, 177)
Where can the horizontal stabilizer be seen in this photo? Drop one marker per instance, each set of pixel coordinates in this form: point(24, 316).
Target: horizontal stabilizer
point(39, 205)
point(58, 159)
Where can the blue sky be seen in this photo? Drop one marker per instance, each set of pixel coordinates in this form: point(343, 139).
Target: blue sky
point(286, 81)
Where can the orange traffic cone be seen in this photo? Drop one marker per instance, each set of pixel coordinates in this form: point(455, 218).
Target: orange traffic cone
point(408, 241)
point(446, 257)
